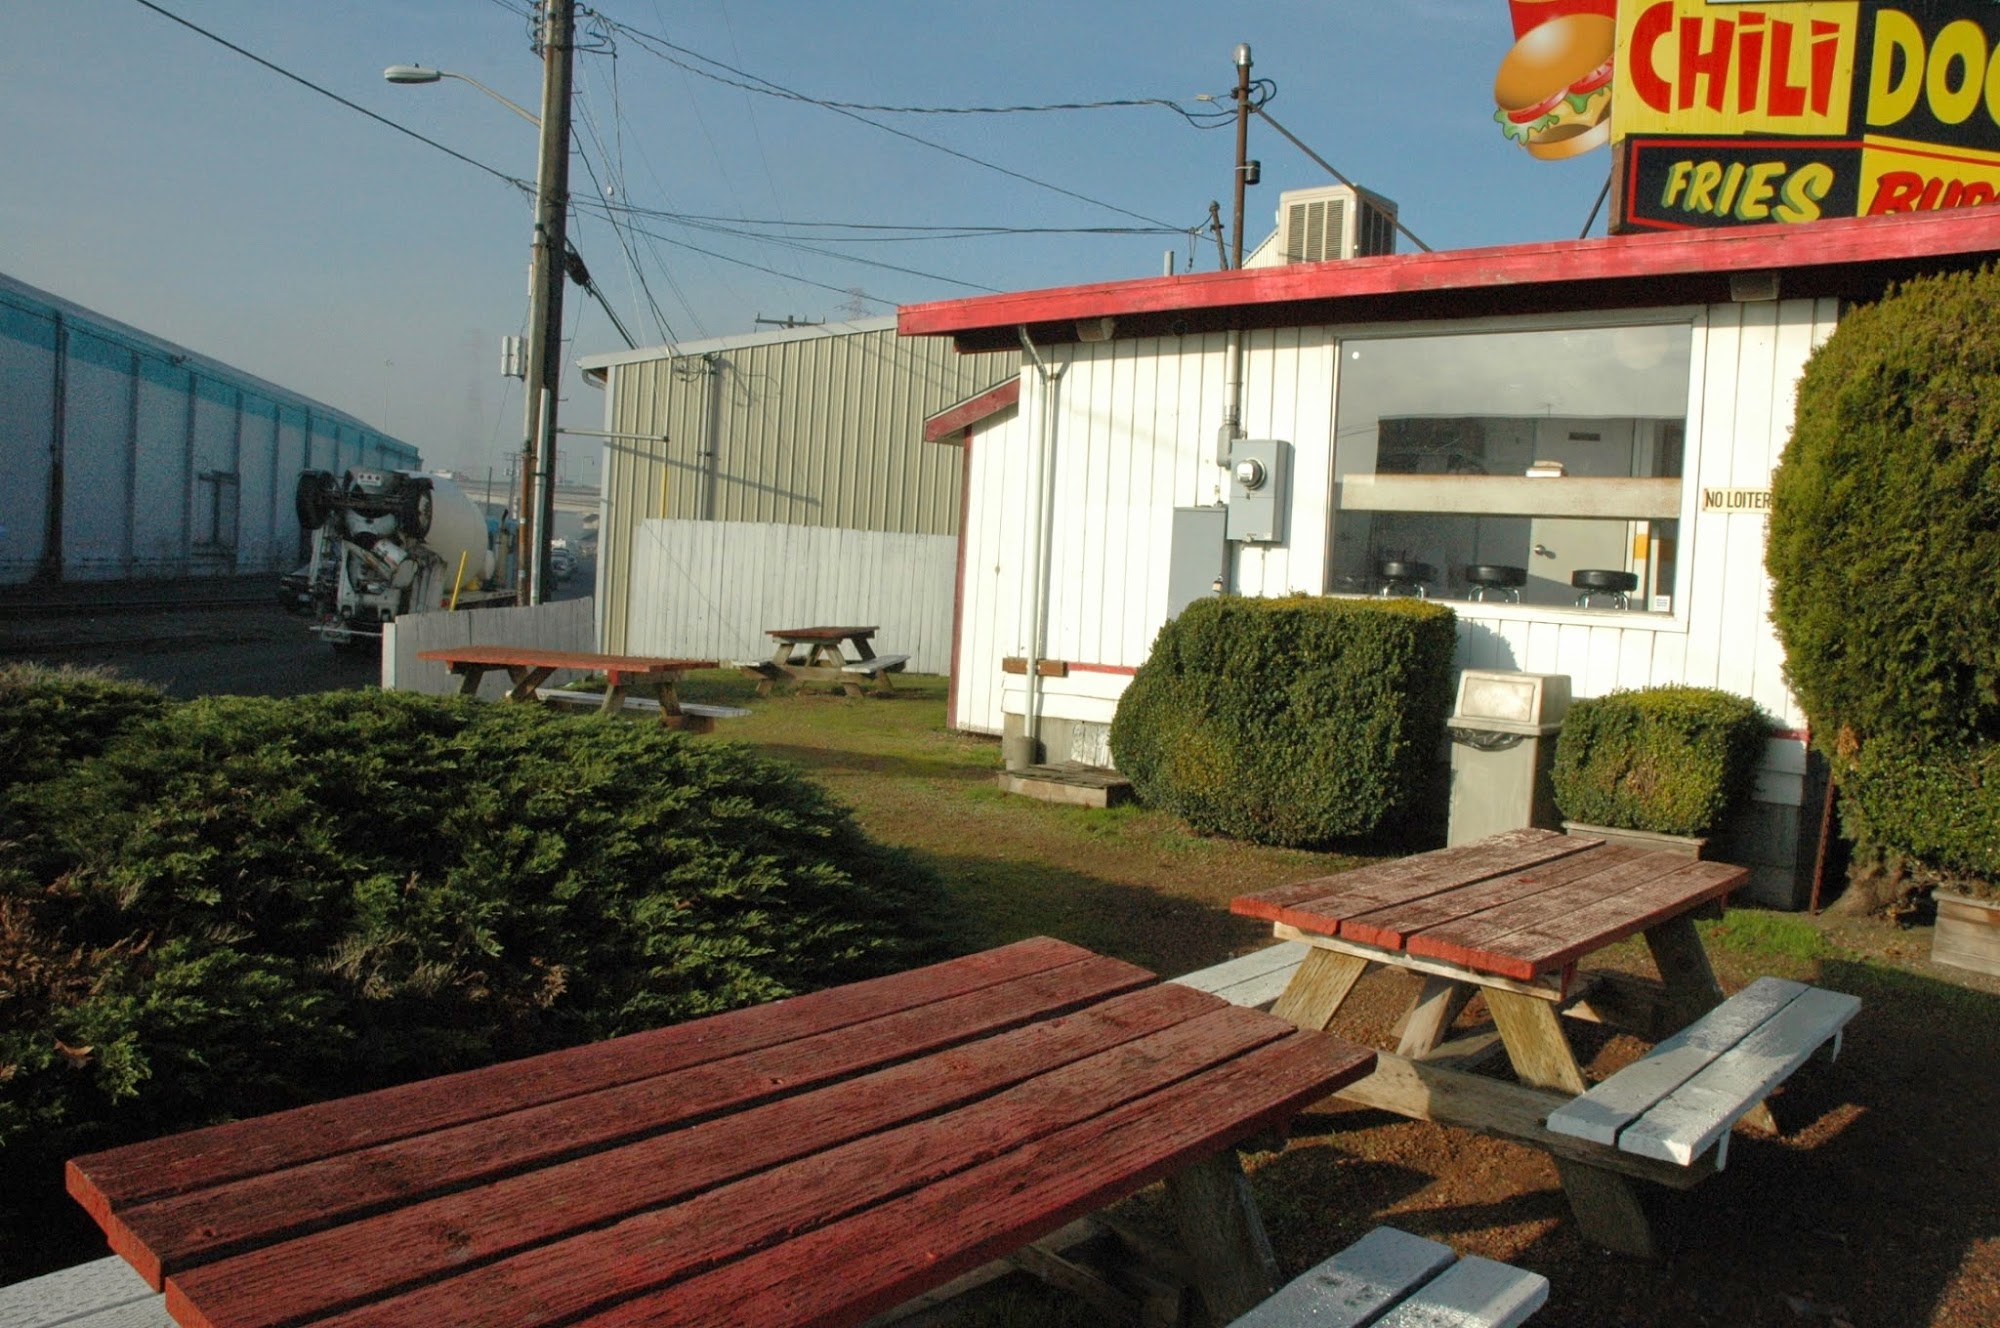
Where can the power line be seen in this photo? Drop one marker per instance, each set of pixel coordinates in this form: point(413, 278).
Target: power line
point(650, 43)
point(520, 184)
point(902, 231)
point(749, 82)
point(802, 248)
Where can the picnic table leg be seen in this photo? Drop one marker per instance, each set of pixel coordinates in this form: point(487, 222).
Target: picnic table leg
point(1317, 990)
point(1219, 1227)
point(1692, 988)
point(469, 678)
point(526, 680)
point(1607, 1207)
point(1437, 1005)
point(673, 717)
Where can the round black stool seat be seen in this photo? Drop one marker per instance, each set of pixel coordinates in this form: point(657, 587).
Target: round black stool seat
point(1399, 574)
point(1590, 581)
point(1501, 577)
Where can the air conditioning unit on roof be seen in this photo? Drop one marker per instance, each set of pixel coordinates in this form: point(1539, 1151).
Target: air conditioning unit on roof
point(1336, 221)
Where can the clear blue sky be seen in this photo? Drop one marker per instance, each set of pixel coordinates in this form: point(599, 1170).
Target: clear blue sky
point(165, 181)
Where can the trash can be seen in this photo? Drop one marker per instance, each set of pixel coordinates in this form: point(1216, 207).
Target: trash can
point(1503, 749)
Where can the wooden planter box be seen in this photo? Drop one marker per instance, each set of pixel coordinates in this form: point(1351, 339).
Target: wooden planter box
point(1968, 933)
point(1684, 845)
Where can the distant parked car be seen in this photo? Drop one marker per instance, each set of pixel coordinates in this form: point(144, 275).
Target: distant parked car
point(562, 563)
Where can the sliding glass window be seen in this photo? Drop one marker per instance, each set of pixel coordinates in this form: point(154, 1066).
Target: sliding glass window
point(1537, 467)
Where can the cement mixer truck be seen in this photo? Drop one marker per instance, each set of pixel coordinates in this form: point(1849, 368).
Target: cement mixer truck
point(388, 543)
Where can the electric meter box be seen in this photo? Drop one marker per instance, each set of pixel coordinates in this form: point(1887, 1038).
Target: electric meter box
point(1259, 480)
point(1503, 747)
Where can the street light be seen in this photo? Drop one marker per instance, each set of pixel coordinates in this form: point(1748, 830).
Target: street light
point(425, 74)
point(543, 377)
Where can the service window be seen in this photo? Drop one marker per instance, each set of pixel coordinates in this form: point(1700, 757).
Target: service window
point(1535, 467)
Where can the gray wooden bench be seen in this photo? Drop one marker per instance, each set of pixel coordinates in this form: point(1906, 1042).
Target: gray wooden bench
point(1255, 980)
point(1391, 1279)
point(1683, 1096)
point(876, 664)
point(104, 1293)
point(591, 700)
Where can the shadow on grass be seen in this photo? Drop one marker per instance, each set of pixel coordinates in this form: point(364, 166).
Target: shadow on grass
point(1169, 935)
point(845, 760)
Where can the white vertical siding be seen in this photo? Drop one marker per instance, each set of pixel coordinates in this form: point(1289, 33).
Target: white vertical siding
point(712, 589)
point(1135, 435)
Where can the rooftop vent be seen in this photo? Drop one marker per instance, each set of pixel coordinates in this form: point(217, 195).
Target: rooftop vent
point(1336, 221)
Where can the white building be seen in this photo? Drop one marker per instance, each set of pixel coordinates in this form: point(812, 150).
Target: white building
point(1398, 406)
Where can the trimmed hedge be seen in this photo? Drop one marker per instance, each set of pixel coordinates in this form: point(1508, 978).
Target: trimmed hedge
point(1671, 760)
point(1884, 556)
point(1297, 721)
point(241, 904)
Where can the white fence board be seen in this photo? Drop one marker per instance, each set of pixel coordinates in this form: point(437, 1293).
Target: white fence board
point(569, 624)
point(712, 589)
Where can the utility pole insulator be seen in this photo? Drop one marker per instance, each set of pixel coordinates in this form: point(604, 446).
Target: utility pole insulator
point(1242, 142)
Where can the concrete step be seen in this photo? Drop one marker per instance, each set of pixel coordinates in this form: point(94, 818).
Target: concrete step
point(1070, 782)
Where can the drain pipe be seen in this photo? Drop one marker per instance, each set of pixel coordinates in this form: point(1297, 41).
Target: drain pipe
point(1025, 750)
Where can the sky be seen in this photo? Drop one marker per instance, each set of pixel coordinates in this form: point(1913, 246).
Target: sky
point(161, 179)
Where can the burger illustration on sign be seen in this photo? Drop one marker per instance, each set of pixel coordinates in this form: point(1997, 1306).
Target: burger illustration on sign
point(1554, 87)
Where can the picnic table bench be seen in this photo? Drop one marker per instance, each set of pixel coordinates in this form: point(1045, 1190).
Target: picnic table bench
point(528, 667)
point(816, 1160)
point(1510, 917)
point(1392, 1279)
point(817, 655)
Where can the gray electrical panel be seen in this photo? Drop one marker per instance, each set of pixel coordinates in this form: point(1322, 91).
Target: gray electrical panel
point(1198, 561)
point(1259, 481)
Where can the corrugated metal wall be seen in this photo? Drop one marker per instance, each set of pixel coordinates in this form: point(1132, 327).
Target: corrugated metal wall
point(160, 462)
point(1135, 432)
point(814, 427)
point(713, 589)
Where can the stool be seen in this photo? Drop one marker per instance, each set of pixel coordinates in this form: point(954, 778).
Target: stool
point(1406, 577)
point(1498, 577)
point(1590, 581)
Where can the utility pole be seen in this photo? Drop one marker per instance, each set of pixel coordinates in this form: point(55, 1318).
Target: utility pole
point(1242, 142)
point(543, 377)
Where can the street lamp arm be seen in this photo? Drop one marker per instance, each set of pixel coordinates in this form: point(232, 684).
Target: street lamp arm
point(425, 74)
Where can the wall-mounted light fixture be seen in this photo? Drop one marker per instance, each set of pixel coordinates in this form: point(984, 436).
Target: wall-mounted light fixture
point(1095, 329)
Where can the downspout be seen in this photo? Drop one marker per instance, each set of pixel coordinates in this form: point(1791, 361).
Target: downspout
point(1042, 488)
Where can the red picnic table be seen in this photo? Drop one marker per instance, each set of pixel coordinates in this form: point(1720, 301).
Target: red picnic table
point(1508, 917)
point(528, 667)
point(816, 1160)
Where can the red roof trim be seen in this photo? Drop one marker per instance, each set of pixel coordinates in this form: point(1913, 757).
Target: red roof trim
point(1840, 256)
point(955, 420)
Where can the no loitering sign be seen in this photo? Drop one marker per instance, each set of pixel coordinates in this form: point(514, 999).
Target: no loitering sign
point(1737, 502)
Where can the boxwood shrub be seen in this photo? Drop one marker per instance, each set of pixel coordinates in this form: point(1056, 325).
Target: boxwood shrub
point(1297, 721)
point(1671, 760)
point(234, 905)
point(1884, 556)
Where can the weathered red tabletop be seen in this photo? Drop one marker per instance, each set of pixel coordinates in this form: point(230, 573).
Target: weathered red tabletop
point(528, 667)
point(811, 1161)
point(1506, 918)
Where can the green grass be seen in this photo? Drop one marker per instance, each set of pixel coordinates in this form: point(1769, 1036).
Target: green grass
point(1125, 881)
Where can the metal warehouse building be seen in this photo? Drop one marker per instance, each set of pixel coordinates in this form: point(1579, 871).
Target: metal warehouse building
point(131, 458)
point(778, 474)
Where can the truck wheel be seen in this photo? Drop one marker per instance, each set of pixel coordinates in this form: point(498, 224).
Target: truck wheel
point(416, 506)
point(314, 498)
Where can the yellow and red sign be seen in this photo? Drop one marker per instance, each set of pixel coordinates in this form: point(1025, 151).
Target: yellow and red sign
point(1732, 112)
